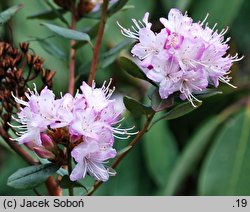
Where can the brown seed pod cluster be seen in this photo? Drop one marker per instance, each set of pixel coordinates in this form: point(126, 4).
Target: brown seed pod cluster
point(18, 67)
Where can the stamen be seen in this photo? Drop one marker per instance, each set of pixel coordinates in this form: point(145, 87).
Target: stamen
point(225, 80)
point(122, 138)
point(204, 19)
point(19, 101)
point(128, 33)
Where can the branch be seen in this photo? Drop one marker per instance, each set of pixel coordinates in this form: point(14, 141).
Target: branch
point(53, 188)
point(98, 42)
point(72, 56)
point(132, 144)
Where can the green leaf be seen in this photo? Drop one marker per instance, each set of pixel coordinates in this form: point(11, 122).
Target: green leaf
point(92, 32)
point(177, 111)
point(130, 171)
point(5, 145)
point(52, 49)
point(55, 10)
point(8, 166)
point(160, 153)
point(191, 155)
point(136, 108)
point(68, 33)
point(159, 104)
point(110, 56)
point(7, 14)
point(226, 170)
point(122, 151)
point(132, 69)
point(105, 59)
point(167, 5)
point(180, 110)
point(183, 5)
point(67, 183)
point(207, 93)
point(116, 7)
point(217, 9)
point(47, 15)
point(32, 176)
point(127, 7)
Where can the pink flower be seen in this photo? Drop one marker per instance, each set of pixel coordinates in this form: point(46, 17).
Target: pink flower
point(150, 45)
point(184, 56)
point(35, 116)
point(90, 157)
point(97, 98)
point(193, 80)
point(85, 124)
point(65, 107)
point(89, 118)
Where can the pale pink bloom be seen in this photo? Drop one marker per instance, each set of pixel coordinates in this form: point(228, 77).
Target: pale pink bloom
point(198, 54)
point(36, 115)
point(167, 73)
point(31, 126)
point(177, 22)
point(85, 124)
point(64, 114)
point(91, 117)
point(193, 80)
point(97, 98)
point(189, 53)
point(91, 157)
point(150, 44)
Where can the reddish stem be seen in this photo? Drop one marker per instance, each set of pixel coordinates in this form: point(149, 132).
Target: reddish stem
point(53, 188)
point(98, 42)
point(72, 55)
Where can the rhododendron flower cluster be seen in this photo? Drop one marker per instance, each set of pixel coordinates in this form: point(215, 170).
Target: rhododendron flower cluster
point(89, 118)
point(184, 57)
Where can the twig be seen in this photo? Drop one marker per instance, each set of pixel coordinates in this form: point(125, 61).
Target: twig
point(98, 42)
point(132, 143)
point(72, 55)
point(53, 188)
point(72, 64)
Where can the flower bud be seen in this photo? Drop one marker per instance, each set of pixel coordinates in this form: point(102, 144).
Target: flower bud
point(47, 141)
point(85, 7)
point(75, 138)
point(30, 145)
point(43, 153)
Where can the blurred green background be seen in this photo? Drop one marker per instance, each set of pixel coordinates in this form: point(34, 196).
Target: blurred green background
point(206, 152)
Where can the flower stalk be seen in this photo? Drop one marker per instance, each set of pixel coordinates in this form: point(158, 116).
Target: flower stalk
point(72, 54)
point(97, 47)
